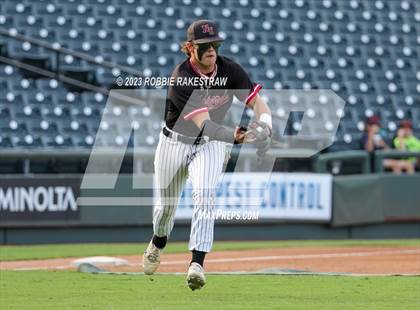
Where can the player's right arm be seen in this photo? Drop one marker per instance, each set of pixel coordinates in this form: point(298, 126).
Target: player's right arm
point(189, 102)
point(217, 132)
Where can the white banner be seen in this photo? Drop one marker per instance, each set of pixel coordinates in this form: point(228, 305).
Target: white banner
point(301, 196)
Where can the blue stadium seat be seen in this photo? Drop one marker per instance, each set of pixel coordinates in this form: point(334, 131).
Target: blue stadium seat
point(366, 51)
point(57, 21)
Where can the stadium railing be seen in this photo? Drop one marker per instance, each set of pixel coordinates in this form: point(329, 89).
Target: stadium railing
point(361, 158)
point(57, 73)
point(395, 154)
point(25, 160)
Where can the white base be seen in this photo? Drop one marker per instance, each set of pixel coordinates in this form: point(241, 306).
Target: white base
point(100, 261)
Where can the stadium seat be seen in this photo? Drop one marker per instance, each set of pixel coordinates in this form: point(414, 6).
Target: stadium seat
point(366, 51)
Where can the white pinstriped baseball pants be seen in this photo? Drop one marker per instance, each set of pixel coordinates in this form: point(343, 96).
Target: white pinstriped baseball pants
point(174, 162)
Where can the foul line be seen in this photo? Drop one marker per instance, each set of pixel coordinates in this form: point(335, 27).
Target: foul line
point(299, 256)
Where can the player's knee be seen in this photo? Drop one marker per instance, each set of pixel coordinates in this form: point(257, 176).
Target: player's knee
point(203, 197)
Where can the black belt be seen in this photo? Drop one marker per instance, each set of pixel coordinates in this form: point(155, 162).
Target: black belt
point(182, 138)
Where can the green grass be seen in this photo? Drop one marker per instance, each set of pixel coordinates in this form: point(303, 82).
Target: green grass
point(8, 253)
point(71, 290)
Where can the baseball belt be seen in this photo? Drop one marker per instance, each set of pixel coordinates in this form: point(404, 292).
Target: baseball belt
point(181, 138)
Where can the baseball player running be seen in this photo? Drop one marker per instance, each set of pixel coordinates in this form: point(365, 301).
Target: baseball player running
point(193, 142)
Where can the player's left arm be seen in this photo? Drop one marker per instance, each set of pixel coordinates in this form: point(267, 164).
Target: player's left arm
point(260, 130)
point(262, 110)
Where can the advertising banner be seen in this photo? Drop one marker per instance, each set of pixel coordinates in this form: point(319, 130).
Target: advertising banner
point(43, 198)
point(294, 196)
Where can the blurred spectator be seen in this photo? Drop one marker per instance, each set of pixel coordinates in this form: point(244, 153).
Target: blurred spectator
point(406, 141)
point(373, 140)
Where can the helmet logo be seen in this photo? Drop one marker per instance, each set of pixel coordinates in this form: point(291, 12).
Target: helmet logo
point(206, 28)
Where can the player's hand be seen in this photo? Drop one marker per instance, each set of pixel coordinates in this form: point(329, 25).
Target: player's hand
point(260, 133)
point(257, 132)
point(240, 135)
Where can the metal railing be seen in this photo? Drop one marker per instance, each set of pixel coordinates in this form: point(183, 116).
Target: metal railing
point(25, 157)
point(392, 154)
point(362, 158)
point(56, 73)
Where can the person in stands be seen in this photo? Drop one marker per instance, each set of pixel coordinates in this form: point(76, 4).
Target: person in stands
point(373, 140)
point(406, 141)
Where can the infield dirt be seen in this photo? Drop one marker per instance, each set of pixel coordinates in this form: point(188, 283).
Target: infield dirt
point(369, 260)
